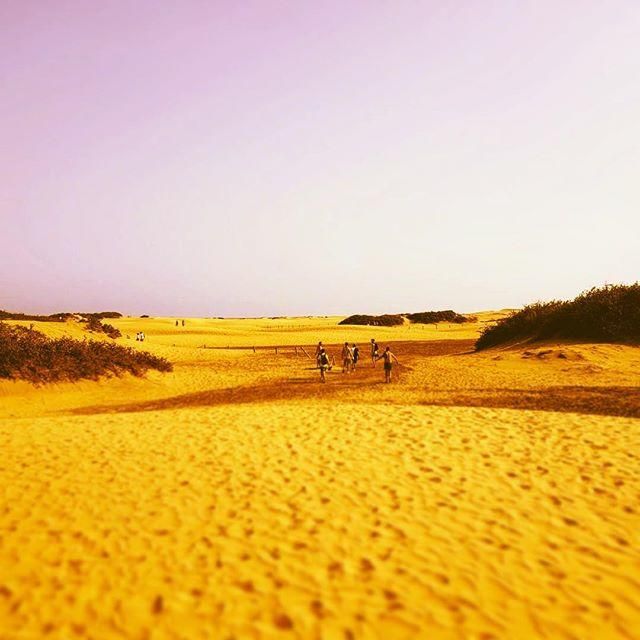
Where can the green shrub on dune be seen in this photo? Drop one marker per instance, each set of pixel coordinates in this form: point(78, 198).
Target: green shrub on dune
point(29, 355)
point(606, 314)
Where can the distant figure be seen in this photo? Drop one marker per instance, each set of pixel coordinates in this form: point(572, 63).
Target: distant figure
point(137, 336)
point(142, 336)
point(388, 357)
point(323, 364)
point(183, 323)
point(319, 349)
point(176, 323)
point(355, 351)
point(347, 358)
point(374, 351)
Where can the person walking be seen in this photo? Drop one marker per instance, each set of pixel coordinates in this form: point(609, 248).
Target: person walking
point(347, 358)
point(374, 351)
point(323, 364)
point(388, 358)
point(356, 356)
point(319, 349)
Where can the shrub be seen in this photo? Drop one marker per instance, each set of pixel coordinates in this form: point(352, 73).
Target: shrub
point(94, 325)
point(606, 314)
point(374, 321)
point(111, 331)
point(56, 317)
point(102, 315)
point(29, 355)
point(431, 317)
point(9, 315)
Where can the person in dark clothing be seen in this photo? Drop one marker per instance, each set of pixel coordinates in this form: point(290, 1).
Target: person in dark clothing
point(323, 364)
point(355, 350)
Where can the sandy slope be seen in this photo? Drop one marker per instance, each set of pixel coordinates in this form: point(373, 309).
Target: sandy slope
point(488, 495)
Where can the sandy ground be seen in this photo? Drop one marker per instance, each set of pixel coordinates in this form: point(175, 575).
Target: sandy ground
point(491, 495)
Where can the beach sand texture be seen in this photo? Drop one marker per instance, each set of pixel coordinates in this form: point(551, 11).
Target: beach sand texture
point(489, 495)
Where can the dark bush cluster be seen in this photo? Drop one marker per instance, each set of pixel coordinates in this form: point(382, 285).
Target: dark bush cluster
point(9, 315)
point(425, 317)
point(102, 315)
point(29, 355)
point(607, 314)
point(431, 317)
point(56, 317)
point(374, 321)
point(94, 325)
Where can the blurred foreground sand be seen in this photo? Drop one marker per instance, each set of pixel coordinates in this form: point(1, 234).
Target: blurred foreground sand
point(491, 495)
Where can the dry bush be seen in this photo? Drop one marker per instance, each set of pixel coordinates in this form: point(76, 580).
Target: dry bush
point(94, 325)
point(431, 317)
point(9, 315)
point(607, 314)
point(374, 321)
point(29, 355)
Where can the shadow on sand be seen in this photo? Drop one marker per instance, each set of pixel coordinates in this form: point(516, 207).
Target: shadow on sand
point(602, 401)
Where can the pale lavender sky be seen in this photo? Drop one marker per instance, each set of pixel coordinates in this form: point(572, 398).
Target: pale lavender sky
point(270, 158)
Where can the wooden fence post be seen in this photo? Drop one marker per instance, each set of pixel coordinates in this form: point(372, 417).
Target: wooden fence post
point(305, 353)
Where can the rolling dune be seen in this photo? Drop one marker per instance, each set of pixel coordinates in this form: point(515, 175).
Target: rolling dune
point(482, 495)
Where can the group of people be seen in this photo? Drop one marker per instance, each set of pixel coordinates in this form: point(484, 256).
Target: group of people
point(140, 336)
point(351, 355)
point(178, 322)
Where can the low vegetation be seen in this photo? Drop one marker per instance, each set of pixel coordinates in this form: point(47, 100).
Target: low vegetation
point(9, 315)
point(374, 321)
point(95, 326)
point(57, 317)
point(424, 317)
point(431, 317)
point(26, 354)
point(606, 314)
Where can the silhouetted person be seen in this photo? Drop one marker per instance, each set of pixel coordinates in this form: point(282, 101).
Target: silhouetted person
point(176, 323)
point(388, 357)
point(319, 348)
point(323, 364)
point(347, 358)
point(183, 323)
point(374, 351)
point(356, 356)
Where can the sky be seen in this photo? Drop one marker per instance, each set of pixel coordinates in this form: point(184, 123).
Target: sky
point(203, 158)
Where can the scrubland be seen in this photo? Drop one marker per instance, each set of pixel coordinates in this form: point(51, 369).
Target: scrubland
point(481, 495)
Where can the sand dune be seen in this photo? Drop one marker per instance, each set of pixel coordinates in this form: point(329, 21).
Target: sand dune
point(490, 495)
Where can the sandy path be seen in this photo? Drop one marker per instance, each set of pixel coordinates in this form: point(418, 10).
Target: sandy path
point(302, 520)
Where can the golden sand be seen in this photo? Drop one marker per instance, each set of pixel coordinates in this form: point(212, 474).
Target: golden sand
point(491, 495)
